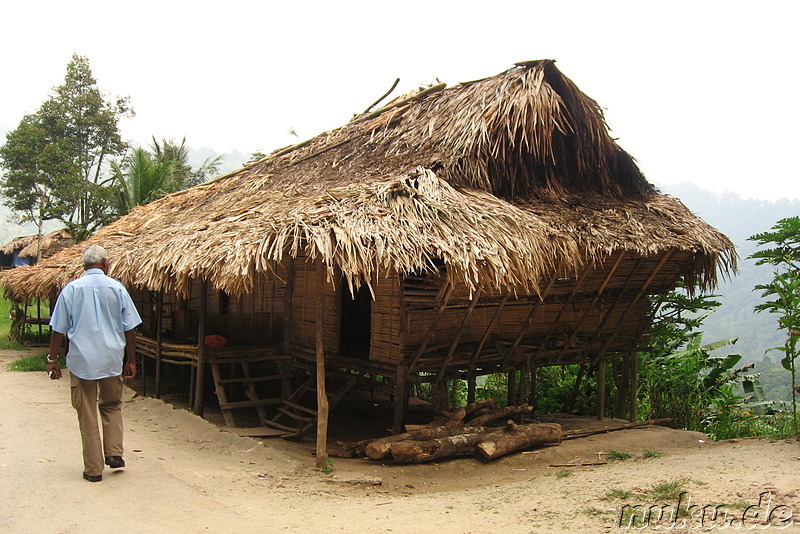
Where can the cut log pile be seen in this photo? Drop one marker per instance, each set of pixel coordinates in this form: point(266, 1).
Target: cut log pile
point(463, 432)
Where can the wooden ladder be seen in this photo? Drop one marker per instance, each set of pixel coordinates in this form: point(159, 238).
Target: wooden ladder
point(297, 414)
point(226, 377)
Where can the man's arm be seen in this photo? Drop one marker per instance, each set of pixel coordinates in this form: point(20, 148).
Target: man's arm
point(130, 348)
point(53, 370)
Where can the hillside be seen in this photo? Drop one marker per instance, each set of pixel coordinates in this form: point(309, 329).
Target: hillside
point(739, 219)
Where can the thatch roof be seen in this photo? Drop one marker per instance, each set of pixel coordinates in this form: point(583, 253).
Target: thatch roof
point(502, 178)
point(27, 246)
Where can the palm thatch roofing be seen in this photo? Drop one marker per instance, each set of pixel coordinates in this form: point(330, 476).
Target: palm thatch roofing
point(27, 246)
point(503, 179)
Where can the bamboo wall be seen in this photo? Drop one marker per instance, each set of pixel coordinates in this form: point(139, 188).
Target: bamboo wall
point(604, 308)
point(255, 318)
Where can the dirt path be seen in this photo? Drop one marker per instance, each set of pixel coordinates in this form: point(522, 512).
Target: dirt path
point(185, 475)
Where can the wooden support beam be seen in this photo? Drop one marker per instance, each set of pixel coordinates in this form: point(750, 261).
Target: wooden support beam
point(634, 363)
point(534, 310)
point(287, 306)
point(457, 339)
point(159, 311)
point(473, 360)
point(591, 305)
point(607, 314)
point(578, 283)
point(642, 291)
point(601, 390)
point(322, 396)
point(400, 399)
point(200, 376)
point(446, 293)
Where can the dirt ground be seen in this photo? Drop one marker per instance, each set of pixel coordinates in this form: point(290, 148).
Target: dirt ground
point(186, 475)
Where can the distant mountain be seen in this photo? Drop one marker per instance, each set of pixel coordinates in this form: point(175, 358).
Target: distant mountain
point(739, 218)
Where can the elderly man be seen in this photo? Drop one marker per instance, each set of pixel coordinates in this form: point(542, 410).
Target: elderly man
point(98, 316)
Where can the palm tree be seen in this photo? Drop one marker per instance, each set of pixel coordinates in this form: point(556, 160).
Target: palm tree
point(141, 179)
point(169, 150)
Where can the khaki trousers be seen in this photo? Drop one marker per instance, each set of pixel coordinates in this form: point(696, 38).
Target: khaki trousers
point(87, 397)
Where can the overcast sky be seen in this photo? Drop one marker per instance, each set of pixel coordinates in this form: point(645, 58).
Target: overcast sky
point(700, 92)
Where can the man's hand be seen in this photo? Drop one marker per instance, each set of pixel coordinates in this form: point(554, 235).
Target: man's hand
point(130, 371)
point(53, 371)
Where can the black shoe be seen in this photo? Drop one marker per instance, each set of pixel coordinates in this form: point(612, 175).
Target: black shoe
point(115, 462)
point(93, 478)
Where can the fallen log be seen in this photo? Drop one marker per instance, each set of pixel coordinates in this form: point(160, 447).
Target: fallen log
point(380, 449)
point(500, 413)
point(515, 438)
point(416, 452)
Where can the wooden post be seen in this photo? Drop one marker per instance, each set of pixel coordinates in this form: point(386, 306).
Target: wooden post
point(201, 350)
point(322, 397)
point(524, 382)
point(601, 390)
point(634, 363)
point(471, 386)
point(159, 311)
point(400, 399)
point(512, 387)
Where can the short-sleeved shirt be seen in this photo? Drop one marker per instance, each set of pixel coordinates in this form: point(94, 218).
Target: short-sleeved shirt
point(95, 311)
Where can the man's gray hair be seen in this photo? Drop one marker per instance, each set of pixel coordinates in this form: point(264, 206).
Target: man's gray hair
point(94, 255)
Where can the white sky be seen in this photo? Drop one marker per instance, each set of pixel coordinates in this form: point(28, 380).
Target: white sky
point(702, 92)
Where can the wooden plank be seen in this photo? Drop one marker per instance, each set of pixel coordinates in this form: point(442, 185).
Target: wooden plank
point(255, 432)
point(222, 395)
point(235, 405)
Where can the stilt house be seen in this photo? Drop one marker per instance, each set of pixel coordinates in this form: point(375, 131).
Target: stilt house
point(494, 226)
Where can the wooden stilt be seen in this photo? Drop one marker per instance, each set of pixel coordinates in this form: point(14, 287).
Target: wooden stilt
point(159, 311)
point(512, 387)
point(524, 382)
point(601, 390)
point(322, 397)
point(471, 387)
point(400, 399)
point(201, 350)
point(634, 363)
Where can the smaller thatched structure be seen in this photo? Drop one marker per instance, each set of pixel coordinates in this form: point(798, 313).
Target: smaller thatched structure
point(27, 247)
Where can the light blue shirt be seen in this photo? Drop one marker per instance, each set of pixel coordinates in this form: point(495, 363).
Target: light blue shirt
point(95, 311)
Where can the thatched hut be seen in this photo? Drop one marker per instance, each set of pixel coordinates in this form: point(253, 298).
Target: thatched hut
point(28, 248)
point(494, 226)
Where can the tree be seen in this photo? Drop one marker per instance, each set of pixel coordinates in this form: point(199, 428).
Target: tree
point(782, 294)
point(33, 161)
point(140, 179)
point(55, 159)
point(141, 176)
point(184, 175)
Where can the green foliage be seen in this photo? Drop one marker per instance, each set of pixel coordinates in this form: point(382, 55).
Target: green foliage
point(34, 363)
point(54, 159)
point(728, 418)
point(781, 296)
point(652, 454)
point(784, 243)
point(141, 176)
point(140, 179)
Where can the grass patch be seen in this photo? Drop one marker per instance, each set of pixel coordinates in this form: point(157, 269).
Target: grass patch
point(616, 455)
point(652, 454)
point(618, 494)
point(668, 490)
point(564, 473)
point(37, 362)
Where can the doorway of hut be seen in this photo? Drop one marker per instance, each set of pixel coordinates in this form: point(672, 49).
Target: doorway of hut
point(355, 322)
